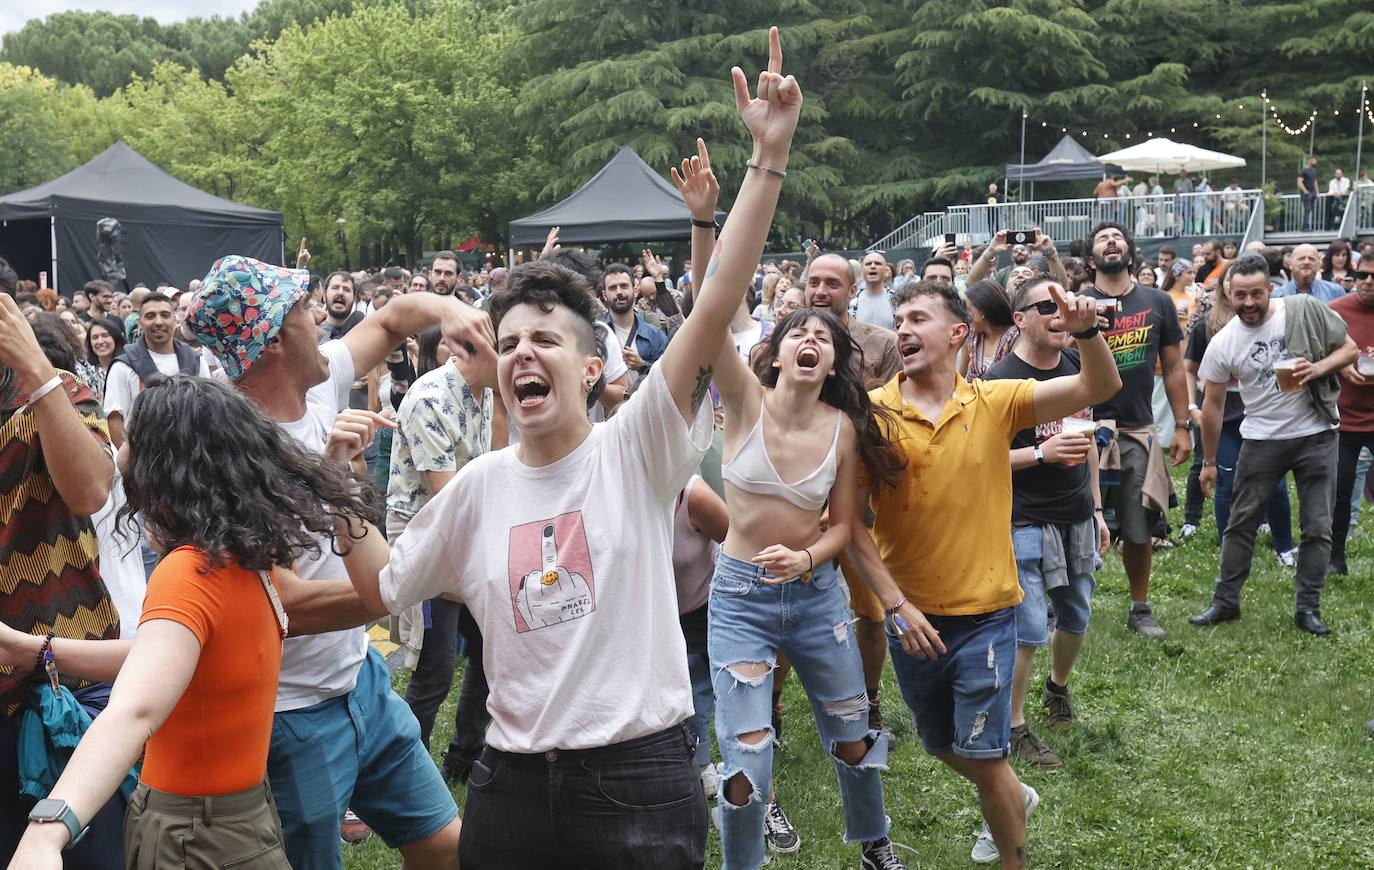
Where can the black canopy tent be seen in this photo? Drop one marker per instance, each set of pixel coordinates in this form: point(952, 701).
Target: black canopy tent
point(171, 231)
point(1067, 161)
point(626, 201)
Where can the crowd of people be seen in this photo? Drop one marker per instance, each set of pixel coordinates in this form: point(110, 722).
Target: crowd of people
point(207, 495)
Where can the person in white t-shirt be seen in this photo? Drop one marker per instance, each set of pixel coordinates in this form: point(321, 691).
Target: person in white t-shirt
point(341, 737)
point(156, 351)
point(1285, 429)
point(589, 761)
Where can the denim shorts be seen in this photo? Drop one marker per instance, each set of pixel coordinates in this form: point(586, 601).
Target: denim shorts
point(1073, 605)
point(961, 701)
point(359, 750)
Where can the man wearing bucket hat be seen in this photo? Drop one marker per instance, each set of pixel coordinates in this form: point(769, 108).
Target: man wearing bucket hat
point(341, 737)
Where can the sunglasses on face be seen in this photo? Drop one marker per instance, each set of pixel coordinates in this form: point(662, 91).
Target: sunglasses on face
point(1361, 274)
point(1044, 307)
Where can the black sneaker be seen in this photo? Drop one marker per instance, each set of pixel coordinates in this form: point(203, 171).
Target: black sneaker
point(878, 855)
point(778, 832)
point(1337, 566)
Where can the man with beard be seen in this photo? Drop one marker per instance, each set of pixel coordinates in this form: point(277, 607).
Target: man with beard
point(1057, 529)
point(871, 304)
point(643, 343)
point(1212, 267)
point(445, 273)
point(1284, 430)
point(338, 307)
point(156, 351)
point(101, 298)
point(1164, 262)
point(1144, 329)
point(1306, 271)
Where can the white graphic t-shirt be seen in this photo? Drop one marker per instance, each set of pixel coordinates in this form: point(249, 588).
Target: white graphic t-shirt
point(568, 570)
point(1248, 354)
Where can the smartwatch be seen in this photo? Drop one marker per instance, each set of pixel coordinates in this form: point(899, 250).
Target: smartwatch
point(1039, 455)
point(54, 810)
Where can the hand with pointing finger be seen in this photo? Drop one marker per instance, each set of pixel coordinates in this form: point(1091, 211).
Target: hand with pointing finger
point(772, 114)
point(1076, 313)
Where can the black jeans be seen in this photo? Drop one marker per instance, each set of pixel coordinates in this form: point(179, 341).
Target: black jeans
point(433, 679)
point(103, 846)
point(627, 806)
point(1347, 457)
point(1312, 459)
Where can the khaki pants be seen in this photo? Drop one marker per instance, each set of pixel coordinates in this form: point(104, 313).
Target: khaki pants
point(239, 831)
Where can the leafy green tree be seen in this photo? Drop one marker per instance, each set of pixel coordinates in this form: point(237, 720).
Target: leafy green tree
point(49, 128)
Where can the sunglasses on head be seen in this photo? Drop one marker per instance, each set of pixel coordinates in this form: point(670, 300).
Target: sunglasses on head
point(1044, 307)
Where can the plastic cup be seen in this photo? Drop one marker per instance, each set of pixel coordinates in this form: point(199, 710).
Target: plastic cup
point(1288, 380)
point(1080, 426)
point(1365, 365)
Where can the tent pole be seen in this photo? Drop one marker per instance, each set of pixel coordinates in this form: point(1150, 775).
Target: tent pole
point(1021, 170)
point(52, 275)
point(1264, 138)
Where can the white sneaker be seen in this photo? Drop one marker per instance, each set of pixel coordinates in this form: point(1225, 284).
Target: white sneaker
point(985, 849)
point(1187, 531)
point(1288, 558)
point(1262, 530)
point(710, 780)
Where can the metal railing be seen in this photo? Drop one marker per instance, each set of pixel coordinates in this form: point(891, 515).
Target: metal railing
point(1221, 212)
point(1359, 217)
point(1317, 214)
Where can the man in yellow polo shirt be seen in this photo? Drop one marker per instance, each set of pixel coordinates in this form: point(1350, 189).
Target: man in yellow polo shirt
point(940, 558)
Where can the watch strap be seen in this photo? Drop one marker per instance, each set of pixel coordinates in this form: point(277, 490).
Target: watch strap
point(1039, 455)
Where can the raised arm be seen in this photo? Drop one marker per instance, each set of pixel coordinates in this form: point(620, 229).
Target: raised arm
point(1097, 379)
point(76, 459)
point(987, 261)
point(701, 191)
point(771, 117)
point(467, 329)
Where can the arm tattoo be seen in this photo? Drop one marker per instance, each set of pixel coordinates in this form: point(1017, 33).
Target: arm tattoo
point(703, 385)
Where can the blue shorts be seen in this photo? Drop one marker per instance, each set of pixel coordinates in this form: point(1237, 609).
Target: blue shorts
point(360, 750)
point(961, 701)
point(1073, 604)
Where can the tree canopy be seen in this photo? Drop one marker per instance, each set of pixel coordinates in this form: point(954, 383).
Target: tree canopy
point(410, 124)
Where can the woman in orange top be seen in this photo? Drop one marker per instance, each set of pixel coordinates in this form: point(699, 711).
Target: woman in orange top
point(199, 681)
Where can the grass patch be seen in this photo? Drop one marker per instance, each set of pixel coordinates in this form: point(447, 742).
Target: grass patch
point(1240, 746)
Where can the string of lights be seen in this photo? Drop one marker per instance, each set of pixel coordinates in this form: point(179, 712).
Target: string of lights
point(1272, 112)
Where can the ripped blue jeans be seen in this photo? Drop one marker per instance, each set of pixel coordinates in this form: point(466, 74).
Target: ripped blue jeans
point(807, 618)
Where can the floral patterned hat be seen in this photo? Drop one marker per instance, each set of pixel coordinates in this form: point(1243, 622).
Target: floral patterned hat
point(240, 307)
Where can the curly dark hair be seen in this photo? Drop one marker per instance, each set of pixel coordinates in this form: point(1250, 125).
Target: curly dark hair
point(843, 390)
point(547, 285)
point(208, 469)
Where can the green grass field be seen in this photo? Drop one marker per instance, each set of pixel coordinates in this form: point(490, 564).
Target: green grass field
point(1236, 747)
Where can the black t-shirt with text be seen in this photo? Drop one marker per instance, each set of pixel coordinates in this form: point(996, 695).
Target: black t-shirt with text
point(1145, 321)
point(1051, 493)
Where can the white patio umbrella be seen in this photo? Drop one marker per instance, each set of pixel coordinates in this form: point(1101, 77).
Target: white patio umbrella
point(1168, 156)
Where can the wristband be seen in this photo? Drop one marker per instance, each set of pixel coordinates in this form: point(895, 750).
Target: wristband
point(1086, 334)
point(53, 383)
point(705, 225)
point(43, 651)
point(770, 170)
point(810, 563)
point(1209, 463)
point(894, 608)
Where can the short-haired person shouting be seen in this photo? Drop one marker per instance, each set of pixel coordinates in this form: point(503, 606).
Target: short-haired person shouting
point(589, 761)
point(945, 570)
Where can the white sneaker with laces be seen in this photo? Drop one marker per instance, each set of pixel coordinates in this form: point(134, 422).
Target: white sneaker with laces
point(1288, 558)
point(985, 849)
point(1187, 531)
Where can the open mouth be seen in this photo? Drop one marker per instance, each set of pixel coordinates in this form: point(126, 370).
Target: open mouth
point(1111, 249)
point(808, 358)
point(530, 390)
point(908, 350)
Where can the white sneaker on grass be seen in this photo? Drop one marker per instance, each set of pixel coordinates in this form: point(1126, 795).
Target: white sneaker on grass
point(985, 849)
point(1187, 531)
point(1288, 558)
